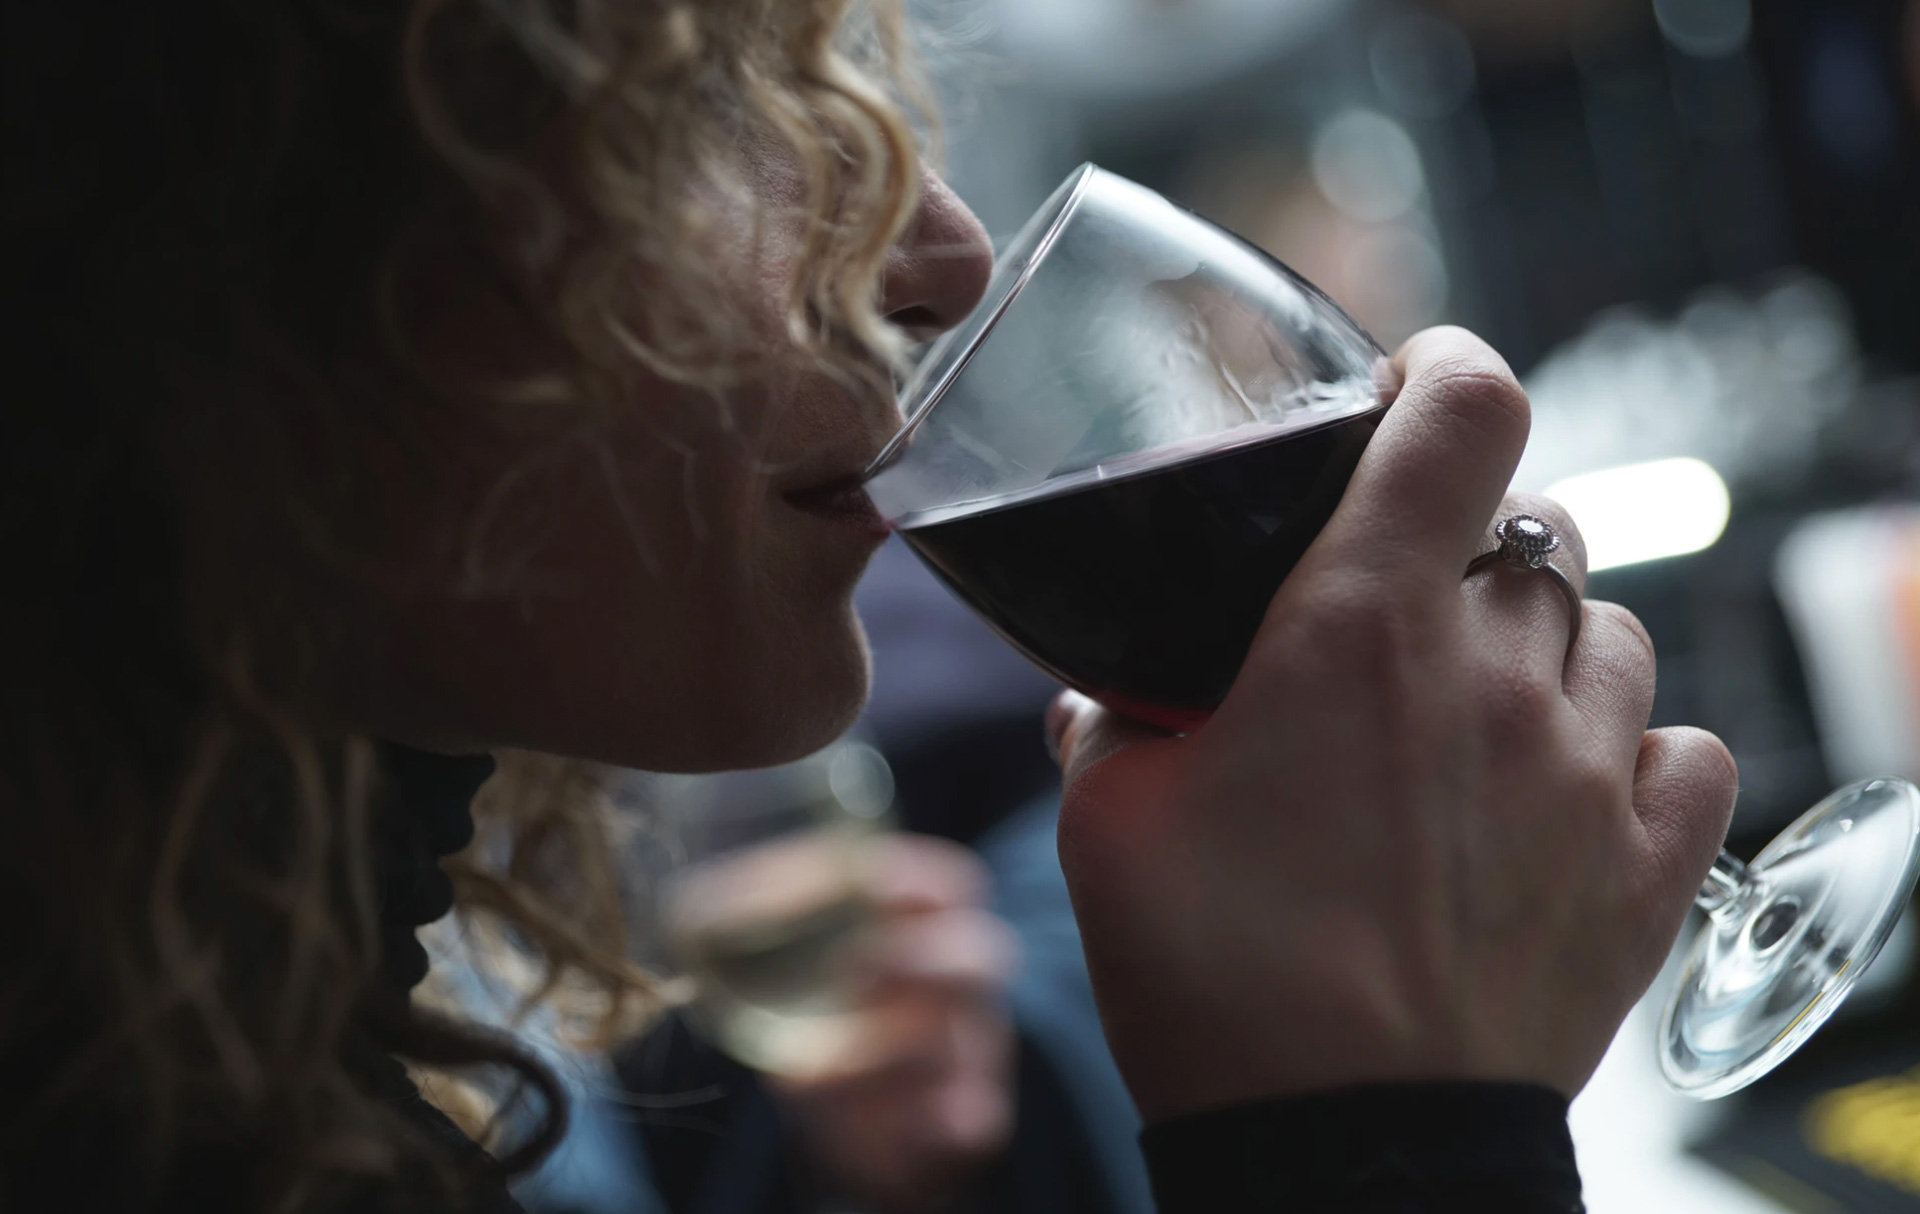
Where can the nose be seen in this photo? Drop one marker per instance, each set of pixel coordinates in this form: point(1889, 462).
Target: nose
point(939, 270)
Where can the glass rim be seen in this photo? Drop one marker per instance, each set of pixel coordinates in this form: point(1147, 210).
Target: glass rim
point(1071, 191)
point(1066, 202)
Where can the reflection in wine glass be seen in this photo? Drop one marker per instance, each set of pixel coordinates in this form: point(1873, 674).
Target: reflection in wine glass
point(768, 913)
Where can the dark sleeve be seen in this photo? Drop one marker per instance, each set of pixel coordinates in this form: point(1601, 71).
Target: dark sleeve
point(1428, 1148)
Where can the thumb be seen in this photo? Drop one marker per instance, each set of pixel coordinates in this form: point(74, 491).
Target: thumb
point(1083, 734)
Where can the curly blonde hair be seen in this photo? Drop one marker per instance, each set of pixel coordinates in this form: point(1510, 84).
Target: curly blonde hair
point(219, 215)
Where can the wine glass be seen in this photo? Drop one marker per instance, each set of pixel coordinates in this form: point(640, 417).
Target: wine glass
point(766, 909)
point(1123, 451)
point(1138, 433)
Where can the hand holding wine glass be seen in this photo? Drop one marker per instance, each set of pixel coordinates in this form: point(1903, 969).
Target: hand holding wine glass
point(1123, 461)
point(1420, 838)
point(857, 968)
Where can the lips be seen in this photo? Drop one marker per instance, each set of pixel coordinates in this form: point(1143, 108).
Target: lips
point(843, 501)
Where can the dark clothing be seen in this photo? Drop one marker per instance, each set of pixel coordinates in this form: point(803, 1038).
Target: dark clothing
point(1425, 1148)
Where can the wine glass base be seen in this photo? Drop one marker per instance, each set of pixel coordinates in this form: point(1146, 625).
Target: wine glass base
point(1778, 957)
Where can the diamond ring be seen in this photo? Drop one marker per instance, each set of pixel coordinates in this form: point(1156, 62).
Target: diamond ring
point(1527, 542)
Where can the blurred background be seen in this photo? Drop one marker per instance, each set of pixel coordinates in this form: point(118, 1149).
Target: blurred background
point(1693, 228)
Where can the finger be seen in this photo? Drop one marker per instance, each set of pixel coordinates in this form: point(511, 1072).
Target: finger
point(907, 874)
point(1683, 791)
point(1436, 469)
point(973, 1108)
point(972, 1112)
point(954, 1095)
point(915, 1026)
point(1523, 615)
point(1083, 734)
point(963, 952)
point(1610, 679)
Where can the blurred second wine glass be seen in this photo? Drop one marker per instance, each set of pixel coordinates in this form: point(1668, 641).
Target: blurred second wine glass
point(768, 913)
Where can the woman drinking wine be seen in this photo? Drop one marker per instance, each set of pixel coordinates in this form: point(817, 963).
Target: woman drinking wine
point(459, 375)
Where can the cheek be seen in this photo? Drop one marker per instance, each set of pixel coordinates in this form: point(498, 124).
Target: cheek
point(734, 644)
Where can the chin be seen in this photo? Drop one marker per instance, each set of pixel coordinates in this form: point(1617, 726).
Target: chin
point(800, 697)
point(823, 701)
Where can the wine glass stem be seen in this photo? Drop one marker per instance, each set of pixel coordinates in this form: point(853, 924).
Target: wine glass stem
point(1723, 886)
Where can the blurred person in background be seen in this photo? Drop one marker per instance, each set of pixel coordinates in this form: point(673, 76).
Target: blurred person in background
point(499, 375)
point(908, 1121)
point(964, 713)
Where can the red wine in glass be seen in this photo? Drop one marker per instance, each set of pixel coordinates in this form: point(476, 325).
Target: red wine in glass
point(1143, 585)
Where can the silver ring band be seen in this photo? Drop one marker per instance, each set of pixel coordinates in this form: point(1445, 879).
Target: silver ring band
point(1527, 542)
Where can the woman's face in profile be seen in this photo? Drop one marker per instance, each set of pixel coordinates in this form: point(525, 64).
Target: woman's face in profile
point(681, 595)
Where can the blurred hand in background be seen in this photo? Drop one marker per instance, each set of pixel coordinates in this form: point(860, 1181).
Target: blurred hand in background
point(931, 1101)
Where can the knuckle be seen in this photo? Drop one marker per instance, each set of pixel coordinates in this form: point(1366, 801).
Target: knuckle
point(1519, 704)
point(1626, 623)
point(1345, 632)
point(1335, 604)
point(1685, 791)
point(1712, 763)
point(1618, 642)
point(1350, 615)
point(1595, 782)
point(1467, 383)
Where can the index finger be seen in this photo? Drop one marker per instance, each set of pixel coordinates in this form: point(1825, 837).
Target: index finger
point(1439, 465)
